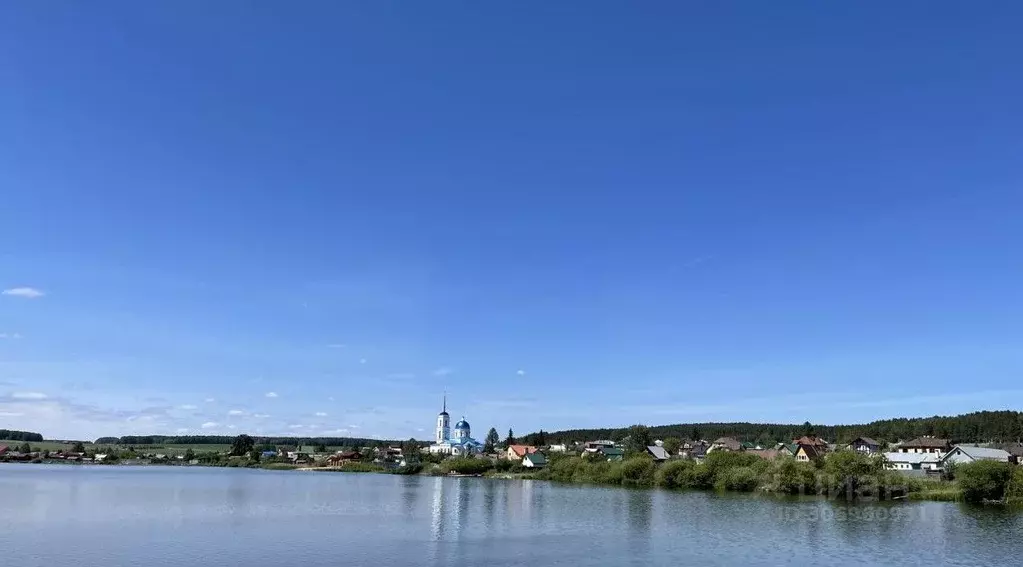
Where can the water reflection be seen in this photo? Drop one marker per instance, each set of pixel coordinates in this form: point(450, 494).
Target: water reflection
point(241, 516)
point(411, 486)
point(639, 509)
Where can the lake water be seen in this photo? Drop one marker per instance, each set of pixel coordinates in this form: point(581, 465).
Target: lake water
point(163, 516)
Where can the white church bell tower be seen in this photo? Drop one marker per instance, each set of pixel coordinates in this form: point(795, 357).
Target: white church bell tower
point(444, 424)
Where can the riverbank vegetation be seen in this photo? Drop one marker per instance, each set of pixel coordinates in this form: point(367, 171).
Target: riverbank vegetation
point(844, 474)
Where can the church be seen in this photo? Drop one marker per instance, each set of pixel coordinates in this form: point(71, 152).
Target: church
point(462, 444)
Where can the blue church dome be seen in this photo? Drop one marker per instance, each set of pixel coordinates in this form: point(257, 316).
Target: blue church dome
point(462, 424)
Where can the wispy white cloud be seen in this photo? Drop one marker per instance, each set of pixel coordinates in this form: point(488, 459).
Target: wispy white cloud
point(188, 407)
point(521, 372)
point(14, 336)
point(210, 400)
point(330, 398)
point(271, 394)
point(320, 414)
point(362, 361)
point(697, 261)
point(401, 376)
point(337, 345)
point(354, 426)
point(11, 414)
point(29, 396)
point(26, 292)
point(336, 432)
point(182, 430)
point(232, 426)
point(443, 371)
point(210, 425)
point(296, 426)
point(236, 412)
point(260, 415)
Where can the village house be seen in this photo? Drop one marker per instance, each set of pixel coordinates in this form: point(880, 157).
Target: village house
point(517, 452)
point(926, 444)
point(962, 454)
point(903, 462)
point(1014, 449)
point(808, 453)
point(767, 454)
point(560, 448)
point(658, 453)
point(610, 454)
point(534, 461)
point(4, 449)
point(865, 445)
point(820, 445)
point(596, 446)
point(787, 449)
point(695, 450)
point(340, 458)
point(725, 444)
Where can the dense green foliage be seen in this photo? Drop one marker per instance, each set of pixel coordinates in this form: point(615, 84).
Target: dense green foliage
point(1014, 492)
point(637, 439)
point(981, 426)
point(242, 445)
point(12, 435)
point(843, 475)
point(984, 480)
point(466, 466)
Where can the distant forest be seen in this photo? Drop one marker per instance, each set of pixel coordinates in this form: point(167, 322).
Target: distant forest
point(228, 439)
point(11, 435)
point(978, 427)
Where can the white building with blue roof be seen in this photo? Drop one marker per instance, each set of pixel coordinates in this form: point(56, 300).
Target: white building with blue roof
point(461, 444)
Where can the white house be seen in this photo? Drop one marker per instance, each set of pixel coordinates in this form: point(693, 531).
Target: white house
point(962, 454)
point(912, 461)
point(558, 448)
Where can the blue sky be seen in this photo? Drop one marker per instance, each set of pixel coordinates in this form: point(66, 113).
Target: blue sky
point(243, 216)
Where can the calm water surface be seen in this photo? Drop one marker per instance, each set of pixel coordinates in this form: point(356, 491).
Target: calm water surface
point(202, 516)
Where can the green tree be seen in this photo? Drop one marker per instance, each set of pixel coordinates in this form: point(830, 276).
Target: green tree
point(637, 439)
point(242, 445)
point(808, 428)
point(491, 441)
point(765, 440)
point(321, 448)
point(189, 454)
point(983, 480)
point(78, 447)
point(25, 448)
point(510, 440)
point(254, 455)
point(1014, 492)
point(411, 449)
point(672, 445)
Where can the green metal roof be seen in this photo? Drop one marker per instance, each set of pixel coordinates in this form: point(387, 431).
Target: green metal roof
point(537, 458)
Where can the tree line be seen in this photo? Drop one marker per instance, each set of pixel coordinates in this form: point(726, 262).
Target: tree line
point(12, 435)
point(977, 427)
point(229, 439)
